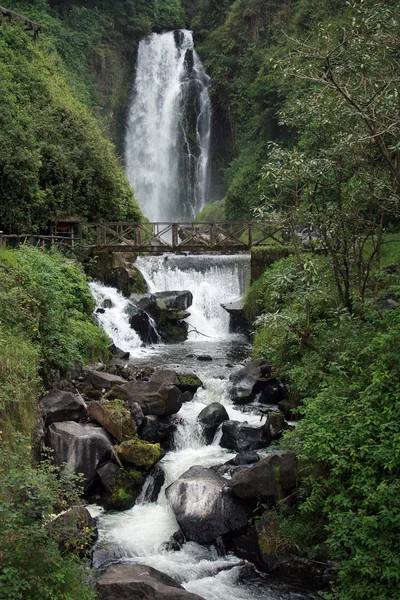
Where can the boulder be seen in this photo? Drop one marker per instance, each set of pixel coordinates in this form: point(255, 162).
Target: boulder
point(144, 327)
point(137, 453)
point(157, 429)
point(245, 379)
point(123, 486)
point(118, 353)
point(103, 381)
point(211, 418)
point(238, 322)
point(244, 458)
point(203, 507)
point(153, 398)
point(242, 437)
point(164, 377)
point(75, 530)
point(186, 397)
point(139, 582)
point(115, 417)
point(60, 406)
point(188, 382)
point(272, 478)
point(81, 448)
point(116, 269)
point(260, 546)
point(204, 358)
point(178, 300)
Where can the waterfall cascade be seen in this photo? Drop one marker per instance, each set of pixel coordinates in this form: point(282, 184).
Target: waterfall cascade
point(168, 134)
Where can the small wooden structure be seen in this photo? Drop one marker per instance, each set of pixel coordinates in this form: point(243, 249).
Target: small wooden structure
point(35, 27)
point(68, 227)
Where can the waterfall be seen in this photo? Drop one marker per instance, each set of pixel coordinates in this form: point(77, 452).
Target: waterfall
point(168, 133)
point(211, 279)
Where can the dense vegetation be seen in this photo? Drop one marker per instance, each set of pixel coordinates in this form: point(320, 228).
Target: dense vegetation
point(60, 99)
point(45, 326)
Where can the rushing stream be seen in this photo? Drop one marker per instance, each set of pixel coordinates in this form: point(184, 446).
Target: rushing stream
point(139, 533)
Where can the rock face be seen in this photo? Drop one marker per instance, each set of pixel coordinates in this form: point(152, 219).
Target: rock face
point(139, 582)
point(116, 269)
point(153, 398)
point(62, 406)
point(211, 418)
point(114, 417)
point(271, 479)
point(137, 453)
point(203, 508)
point(83, 448)
point(237, 319)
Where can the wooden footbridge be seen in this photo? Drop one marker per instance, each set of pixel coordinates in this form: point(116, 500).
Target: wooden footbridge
point(226, 237)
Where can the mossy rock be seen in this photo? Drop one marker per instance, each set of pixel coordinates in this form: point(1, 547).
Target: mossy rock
point(138, 453)
point(115, 417)
point(189, 383)
point(127, 488)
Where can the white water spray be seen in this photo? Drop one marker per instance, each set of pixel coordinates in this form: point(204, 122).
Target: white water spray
point(168, 134)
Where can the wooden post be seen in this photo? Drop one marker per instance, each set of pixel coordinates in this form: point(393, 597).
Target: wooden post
point(175, 235)
point(250, 240)
point(2, 240)
point(212, 235)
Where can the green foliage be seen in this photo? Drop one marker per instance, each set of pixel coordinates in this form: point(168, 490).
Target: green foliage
point(53, 156)
point(212, 213)
point(32, 563)
point(52, 305)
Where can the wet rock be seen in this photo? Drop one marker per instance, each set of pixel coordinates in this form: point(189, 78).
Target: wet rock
point(100, 311)
point(203, 508)
point(204, 357)
point(186, 397)
point(188, 382)
point(175, 542)
point(137, 414)
point(211, 418)
point(123, 486)
point(103, 381)
point(118, 353)
point(259, 545)
point(269, 390)
point(246, 378)
point(153, 398)
point(82, 448)
point(143, 326)
point(238, 322)
point(153, 484)
point(116, 270)
point(115, 417)
point(242, 437)
point(60, 406)
point(122, 581)
point(157, 429)
point(271, 479)
point(164, 377)
point(137, 453)
point(244, 458)
point(178, 300)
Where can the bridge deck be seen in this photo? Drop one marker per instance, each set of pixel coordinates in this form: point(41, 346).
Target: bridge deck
point(160, 237)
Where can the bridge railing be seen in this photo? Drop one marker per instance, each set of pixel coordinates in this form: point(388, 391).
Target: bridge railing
point(158, 237)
